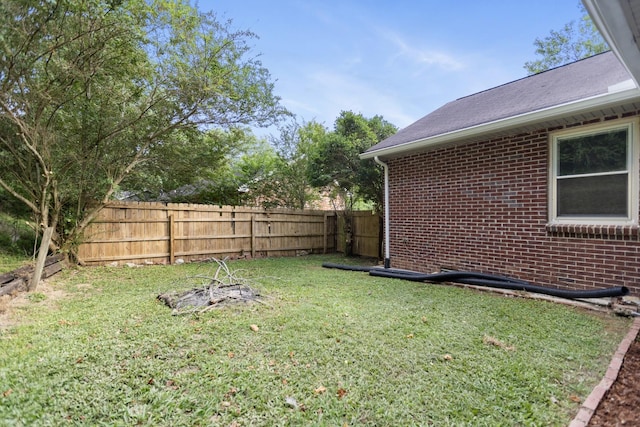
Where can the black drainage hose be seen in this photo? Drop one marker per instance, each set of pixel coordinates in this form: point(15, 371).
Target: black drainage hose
point(347, 267)
point(482, 279)
point(448, 276)
point(617, 291)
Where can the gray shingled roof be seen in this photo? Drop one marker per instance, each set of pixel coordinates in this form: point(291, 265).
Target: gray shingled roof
point(576, 81)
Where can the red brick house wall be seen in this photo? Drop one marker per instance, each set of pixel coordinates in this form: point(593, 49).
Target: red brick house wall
point(483, 206)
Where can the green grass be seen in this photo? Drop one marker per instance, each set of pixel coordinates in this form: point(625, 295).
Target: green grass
point(348, 348)
point(16, 243)
point(10, 262)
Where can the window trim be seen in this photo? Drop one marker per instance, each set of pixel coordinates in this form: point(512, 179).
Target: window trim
point(632, 167)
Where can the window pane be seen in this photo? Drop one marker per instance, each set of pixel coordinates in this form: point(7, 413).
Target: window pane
point(593, 196)
point(601, 152)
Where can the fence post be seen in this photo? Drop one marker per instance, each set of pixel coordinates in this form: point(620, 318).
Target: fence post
point(172, 239)
point(42, 257)
point(253, 235)
point(325, 234)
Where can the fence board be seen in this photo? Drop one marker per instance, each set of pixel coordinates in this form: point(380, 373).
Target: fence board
point(365, 234)
point(160, 233)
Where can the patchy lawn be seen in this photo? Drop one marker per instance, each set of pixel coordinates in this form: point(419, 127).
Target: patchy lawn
point(10, 262)
point(16, 243)
point(328, 347)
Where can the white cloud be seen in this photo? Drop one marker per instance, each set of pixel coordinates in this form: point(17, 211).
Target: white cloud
point(335, 92)
point(420, 56)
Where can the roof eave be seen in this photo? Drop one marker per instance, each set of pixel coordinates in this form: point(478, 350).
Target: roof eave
point(575, 107)
point(611, 19)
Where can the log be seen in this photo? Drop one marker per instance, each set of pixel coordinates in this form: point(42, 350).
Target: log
point(51, 269)
point(18, 279)
point(22, 272)
point(16, 285)
point(6, 278)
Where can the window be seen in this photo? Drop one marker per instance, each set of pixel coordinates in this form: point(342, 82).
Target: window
point(594, 175)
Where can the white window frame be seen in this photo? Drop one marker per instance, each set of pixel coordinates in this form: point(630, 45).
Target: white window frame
point(632, 169)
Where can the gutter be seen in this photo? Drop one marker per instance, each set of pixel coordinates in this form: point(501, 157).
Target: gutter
point(387, 259)
point(611, 18)
point(613, 97)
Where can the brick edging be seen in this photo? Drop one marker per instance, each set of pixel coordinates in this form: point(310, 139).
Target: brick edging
point(591, 403)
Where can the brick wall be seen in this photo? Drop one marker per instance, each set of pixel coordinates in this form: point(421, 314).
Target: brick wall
point(483, 207)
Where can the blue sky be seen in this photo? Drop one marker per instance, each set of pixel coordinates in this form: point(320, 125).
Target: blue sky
point(399, 59)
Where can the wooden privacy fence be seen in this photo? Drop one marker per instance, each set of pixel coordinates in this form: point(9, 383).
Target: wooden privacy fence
point(161, 233)
point(366, 233)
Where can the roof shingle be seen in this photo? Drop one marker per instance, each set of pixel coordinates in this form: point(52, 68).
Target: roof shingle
point(575, 81)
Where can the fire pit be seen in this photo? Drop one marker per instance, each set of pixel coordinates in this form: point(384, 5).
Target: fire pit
point(210, 291)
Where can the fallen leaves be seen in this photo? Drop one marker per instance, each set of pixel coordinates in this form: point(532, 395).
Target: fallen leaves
point(232, 392)
point(489, 340)
point(320, 390)
point(64, 322)
point(341, 393)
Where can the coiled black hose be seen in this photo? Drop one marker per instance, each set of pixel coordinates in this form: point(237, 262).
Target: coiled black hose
point(483, 279)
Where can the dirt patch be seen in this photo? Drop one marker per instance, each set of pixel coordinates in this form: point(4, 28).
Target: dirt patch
point(46, 295)
point(619, 407)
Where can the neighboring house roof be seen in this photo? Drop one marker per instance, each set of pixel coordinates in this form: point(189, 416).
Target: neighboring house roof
point(552, 98)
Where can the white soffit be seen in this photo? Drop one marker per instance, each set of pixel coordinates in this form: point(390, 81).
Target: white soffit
point(618, 94)
point(618, 22)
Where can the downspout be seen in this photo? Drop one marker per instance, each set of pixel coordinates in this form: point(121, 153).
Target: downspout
point(387, 260)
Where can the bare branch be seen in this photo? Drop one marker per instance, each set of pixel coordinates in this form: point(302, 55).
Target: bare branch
point(18, 196)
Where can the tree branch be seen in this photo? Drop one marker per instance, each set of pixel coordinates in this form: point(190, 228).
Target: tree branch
point(18, 196)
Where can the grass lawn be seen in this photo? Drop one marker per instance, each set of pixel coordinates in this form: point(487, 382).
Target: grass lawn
point(10, 262)
point(332, 348)
point(16, 243)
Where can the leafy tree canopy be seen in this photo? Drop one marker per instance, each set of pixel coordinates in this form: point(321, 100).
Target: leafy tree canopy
point(334, 159)
point(196, 159)
point(92, 90)
point(576, 40)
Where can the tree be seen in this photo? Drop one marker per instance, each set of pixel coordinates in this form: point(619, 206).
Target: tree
point(275, 175)
point(257, 173)
point(199, 160)
point(92, 89)
point(335, 158)
point(334, 163)
point(573, 42)
point(292, 148)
